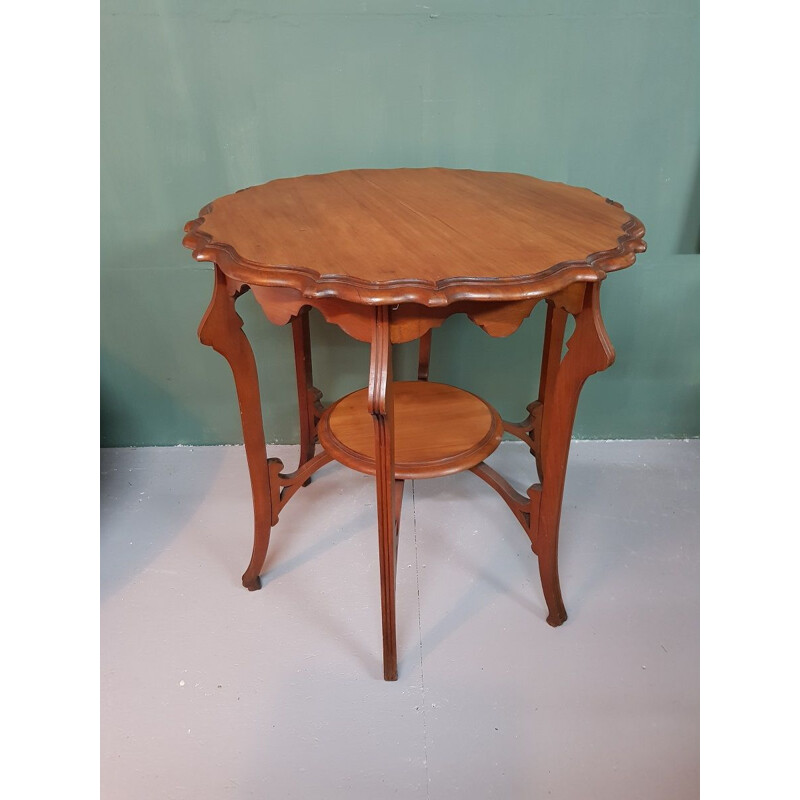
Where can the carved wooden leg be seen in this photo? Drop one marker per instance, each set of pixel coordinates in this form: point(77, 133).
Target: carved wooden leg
point(380, 402)
point(551, 359)
point(221, 328)
point(306, 393)
point(588, 351)
point(424, 355)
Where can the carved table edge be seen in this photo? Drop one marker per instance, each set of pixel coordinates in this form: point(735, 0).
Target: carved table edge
point(312, 285)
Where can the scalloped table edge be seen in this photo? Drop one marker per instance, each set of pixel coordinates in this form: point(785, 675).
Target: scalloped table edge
point(428, 293)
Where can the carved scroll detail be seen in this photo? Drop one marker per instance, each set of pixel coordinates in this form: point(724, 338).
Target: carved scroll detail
point(527, 431)
point(519, 504)
point(284, 485)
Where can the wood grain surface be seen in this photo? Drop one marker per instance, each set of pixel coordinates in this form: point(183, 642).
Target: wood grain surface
point(439, 430)
point(430, 236)
point(388, 255)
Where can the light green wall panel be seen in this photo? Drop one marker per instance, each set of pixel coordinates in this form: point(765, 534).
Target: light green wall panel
point(202, 98)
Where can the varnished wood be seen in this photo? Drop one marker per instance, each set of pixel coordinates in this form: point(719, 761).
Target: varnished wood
point(307, 394)
point(570, 299)
point(281, 305)
point(588, 351)
point(409, 321)
point(428, 236)
point(440, 430)
point(529, 430)
point(388, 256)
point(519, 504)
point(555, 326)
point(548, 429)
point(221, 328)
point(284, 485)
point(424, 356)
point(380, 404)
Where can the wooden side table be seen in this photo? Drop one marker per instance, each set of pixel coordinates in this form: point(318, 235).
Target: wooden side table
point(388, 255)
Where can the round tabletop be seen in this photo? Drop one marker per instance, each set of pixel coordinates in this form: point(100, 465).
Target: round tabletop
point(430, 236)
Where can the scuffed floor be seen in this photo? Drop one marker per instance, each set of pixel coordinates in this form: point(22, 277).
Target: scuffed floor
point(210, 691)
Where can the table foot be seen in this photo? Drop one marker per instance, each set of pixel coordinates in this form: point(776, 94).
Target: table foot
point(557, 618)
point(551, 587)
point(250, 582)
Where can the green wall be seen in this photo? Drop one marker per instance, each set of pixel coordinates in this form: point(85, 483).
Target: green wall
point(202, 98)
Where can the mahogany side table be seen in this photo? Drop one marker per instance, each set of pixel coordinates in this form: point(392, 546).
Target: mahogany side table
point(388, 255)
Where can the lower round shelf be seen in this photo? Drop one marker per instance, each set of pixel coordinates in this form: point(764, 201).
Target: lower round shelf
point(438, 430)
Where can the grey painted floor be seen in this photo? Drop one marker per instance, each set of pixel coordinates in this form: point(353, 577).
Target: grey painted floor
point(209, 691)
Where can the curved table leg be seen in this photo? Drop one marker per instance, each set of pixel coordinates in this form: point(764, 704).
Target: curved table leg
point(588, 351)
point(221, 328)
point(380, 403)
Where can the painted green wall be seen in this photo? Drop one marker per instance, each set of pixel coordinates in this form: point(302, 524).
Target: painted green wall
point(202, 98)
